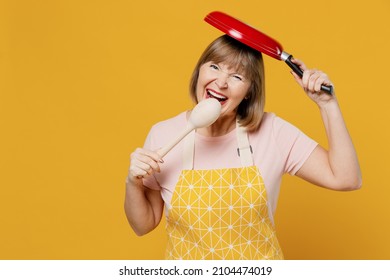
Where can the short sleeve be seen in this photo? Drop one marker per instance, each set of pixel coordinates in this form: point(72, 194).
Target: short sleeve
point(295, 146)
point(150, 181)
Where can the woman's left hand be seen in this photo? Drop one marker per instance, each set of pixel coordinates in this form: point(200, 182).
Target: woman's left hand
point(311, 82)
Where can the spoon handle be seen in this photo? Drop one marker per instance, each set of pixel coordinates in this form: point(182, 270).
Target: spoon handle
point(164, 150)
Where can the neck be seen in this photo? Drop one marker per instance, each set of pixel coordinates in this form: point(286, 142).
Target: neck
point(220, 127)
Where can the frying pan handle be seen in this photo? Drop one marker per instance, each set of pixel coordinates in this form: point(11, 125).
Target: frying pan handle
point(299, 72)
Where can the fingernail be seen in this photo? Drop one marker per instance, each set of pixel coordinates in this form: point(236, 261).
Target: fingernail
point(161, 160)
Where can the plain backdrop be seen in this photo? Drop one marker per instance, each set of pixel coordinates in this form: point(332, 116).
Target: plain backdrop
point(82, 82)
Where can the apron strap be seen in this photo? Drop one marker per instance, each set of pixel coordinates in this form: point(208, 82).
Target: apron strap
point(244, 150)
point(188, 151)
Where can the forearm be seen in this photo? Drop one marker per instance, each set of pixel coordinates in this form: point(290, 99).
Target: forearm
point(138, 208)
point(342, 156)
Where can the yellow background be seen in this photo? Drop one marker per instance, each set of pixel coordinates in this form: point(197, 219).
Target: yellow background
point(81, 82)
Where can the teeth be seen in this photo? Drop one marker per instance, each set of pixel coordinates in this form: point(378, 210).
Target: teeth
point(216, 95)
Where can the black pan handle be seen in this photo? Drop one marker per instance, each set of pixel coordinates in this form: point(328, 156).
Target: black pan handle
point(299, 72)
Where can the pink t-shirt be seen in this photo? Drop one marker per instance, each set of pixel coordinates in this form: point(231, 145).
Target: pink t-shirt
point(278, 148)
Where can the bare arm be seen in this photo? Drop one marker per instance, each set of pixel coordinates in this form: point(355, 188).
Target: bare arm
point(338, 168)
point(143, 206)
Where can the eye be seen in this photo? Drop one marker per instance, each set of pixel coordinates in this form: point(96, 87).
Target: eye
point(237, 77)
point(214, 66)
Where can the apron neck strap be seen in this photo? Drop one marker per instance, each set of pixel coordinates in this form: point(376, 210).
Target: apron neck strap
point(188, 151)
point(244, 150)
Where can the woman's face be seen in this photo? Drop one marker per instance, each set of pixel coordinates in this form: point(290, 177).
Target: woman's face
point(220, 81)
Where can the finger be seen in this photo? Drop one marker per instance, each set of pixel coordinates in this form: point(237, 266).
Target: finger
point(154, 155)
point(299, 63)
point(313, 81)
point(141, 168)
point(306, 78)
point(147, 163)
point(324, 80)
point(144, 166)
point(140, 161)
point(137, 172)
point(320, 81)
point(147, 156)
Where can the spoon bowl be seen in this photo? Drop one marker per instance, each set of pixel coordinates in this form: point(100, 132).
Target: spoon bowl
point(204, 114)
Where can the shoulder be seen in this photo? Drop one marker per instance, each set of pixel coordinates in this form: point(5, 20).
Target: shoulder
point(276, 130)
point(271, 123)
point(278, 125)
point(162, 132)
point(171, 124)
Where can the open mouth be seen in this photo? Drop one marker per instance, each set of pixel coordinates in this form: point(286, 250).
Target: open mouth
point(212, 94)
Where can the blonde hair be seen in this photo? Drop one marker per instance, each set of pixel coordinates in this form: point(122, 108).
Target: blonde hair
point(245, 60)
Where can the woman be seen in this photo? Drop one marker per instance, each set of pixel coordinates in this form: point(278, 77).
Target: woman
point(220, 184)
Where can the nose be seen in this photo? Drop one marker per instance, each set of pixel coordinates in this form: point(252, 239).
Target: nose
point(222, 80)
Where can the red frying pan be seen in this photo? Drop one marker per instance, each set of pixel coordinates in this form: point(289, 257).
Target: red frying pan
point(254, 39)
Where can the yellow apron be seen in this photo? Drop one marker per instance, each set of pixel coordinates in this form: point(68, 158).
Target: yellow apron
point(221, 213)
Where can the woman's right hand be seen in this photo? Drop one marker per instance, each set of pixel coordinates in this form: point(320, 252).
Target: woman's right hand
point(143, 163)
point(143, 206)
